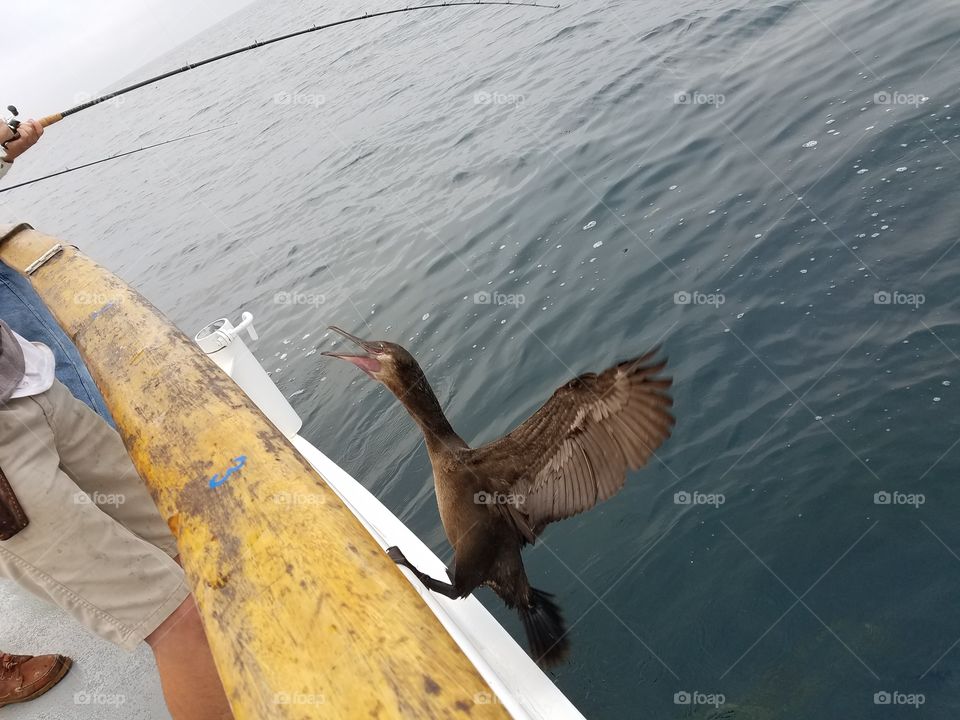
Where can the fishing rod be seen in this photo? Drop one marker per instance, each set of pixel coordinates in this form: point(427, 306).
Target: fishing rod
point(57, 117)
point(114, 157)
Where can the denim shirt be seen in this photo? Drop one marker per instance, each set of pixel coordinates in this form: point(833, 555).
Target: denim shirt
point(24, 311)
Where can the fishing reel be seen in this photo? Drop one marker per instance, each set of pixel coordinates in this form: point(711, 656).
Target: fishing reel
point(13, 124)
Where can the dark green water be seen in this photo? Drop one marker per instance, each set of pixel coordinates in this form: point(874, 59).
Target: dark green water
point(386, 173)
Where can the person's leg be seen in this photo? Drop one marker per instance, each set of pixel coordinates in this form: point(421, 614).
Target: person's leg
point(94, 456)
point(23, 310)
point(187, 672)
point(117, 584)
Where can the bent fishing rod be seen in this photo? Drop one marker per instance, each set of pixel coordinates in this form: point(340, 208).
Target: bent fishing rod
point(57, 117)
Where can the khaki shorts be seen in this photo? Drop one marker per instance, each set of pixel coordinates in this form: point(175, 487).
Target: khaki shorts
point(96, 544)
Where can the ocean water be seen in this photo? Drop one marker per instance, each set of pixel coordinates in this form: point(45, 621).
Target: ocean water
point(519, 196)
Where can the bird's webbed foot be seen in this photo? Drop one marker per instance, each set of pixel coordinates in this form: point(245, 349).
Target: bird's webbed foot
point(446, 589)
point(396, 554)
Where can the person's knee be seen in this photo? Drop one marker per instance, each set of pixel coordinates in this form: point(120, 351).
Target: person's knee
point(184, 622)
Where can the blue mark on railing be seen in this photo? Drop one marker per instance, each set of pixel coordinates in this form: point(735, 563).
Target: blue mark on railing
point(218, 480)
point(101, 311)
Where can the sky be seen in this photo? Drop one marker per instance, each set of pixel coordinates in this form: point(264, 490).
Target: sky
point(57, 53)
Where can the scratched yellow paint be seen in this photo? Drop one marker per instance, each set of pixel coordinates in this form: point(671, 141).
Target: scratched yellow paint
point(306, 615)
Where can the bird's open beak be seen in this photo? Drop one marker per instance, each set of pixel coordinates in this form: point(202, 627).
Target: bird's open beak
point(367, 362)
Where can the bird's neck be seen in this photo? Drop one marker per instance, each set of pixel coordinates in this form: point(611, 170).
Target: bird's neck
point(422, 404)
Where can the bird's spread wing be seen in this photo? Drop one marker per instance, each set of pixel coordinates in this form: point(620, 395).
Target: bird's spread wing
point(575, 450)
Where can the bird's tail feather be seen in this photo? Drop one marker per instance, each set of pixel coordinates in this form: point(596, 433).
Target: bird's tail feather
point(546, 631)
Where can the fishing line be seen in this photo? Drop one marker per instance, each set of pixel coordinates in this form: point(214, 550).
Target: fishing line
point(57, 117)
point(114, 157)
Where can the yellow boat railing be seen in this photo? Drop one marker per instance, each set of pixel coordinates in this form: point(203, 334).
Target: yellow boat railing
point(306, 615)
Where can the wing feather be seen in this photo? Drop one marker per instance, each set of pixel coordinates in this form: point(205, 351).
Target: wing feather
point(575, 450)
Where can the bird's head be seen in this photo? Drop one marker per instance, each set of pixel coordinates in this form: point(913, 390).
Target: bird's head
point(384, 361)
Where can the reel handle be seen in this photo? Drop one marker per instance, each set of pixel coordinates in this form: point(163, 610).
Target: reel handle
point(13, 124)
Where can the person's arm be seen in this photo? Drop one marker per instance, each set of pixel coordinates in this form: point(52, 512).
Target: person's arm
point(29, 131)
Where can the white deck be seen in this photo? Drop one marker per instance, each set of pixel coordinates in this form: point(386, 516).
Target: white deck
point(101, 672)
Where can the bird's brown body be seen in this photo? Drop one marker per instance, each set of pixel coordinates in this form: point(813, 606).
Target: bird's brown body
point(571, 454)
point(486, 545)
